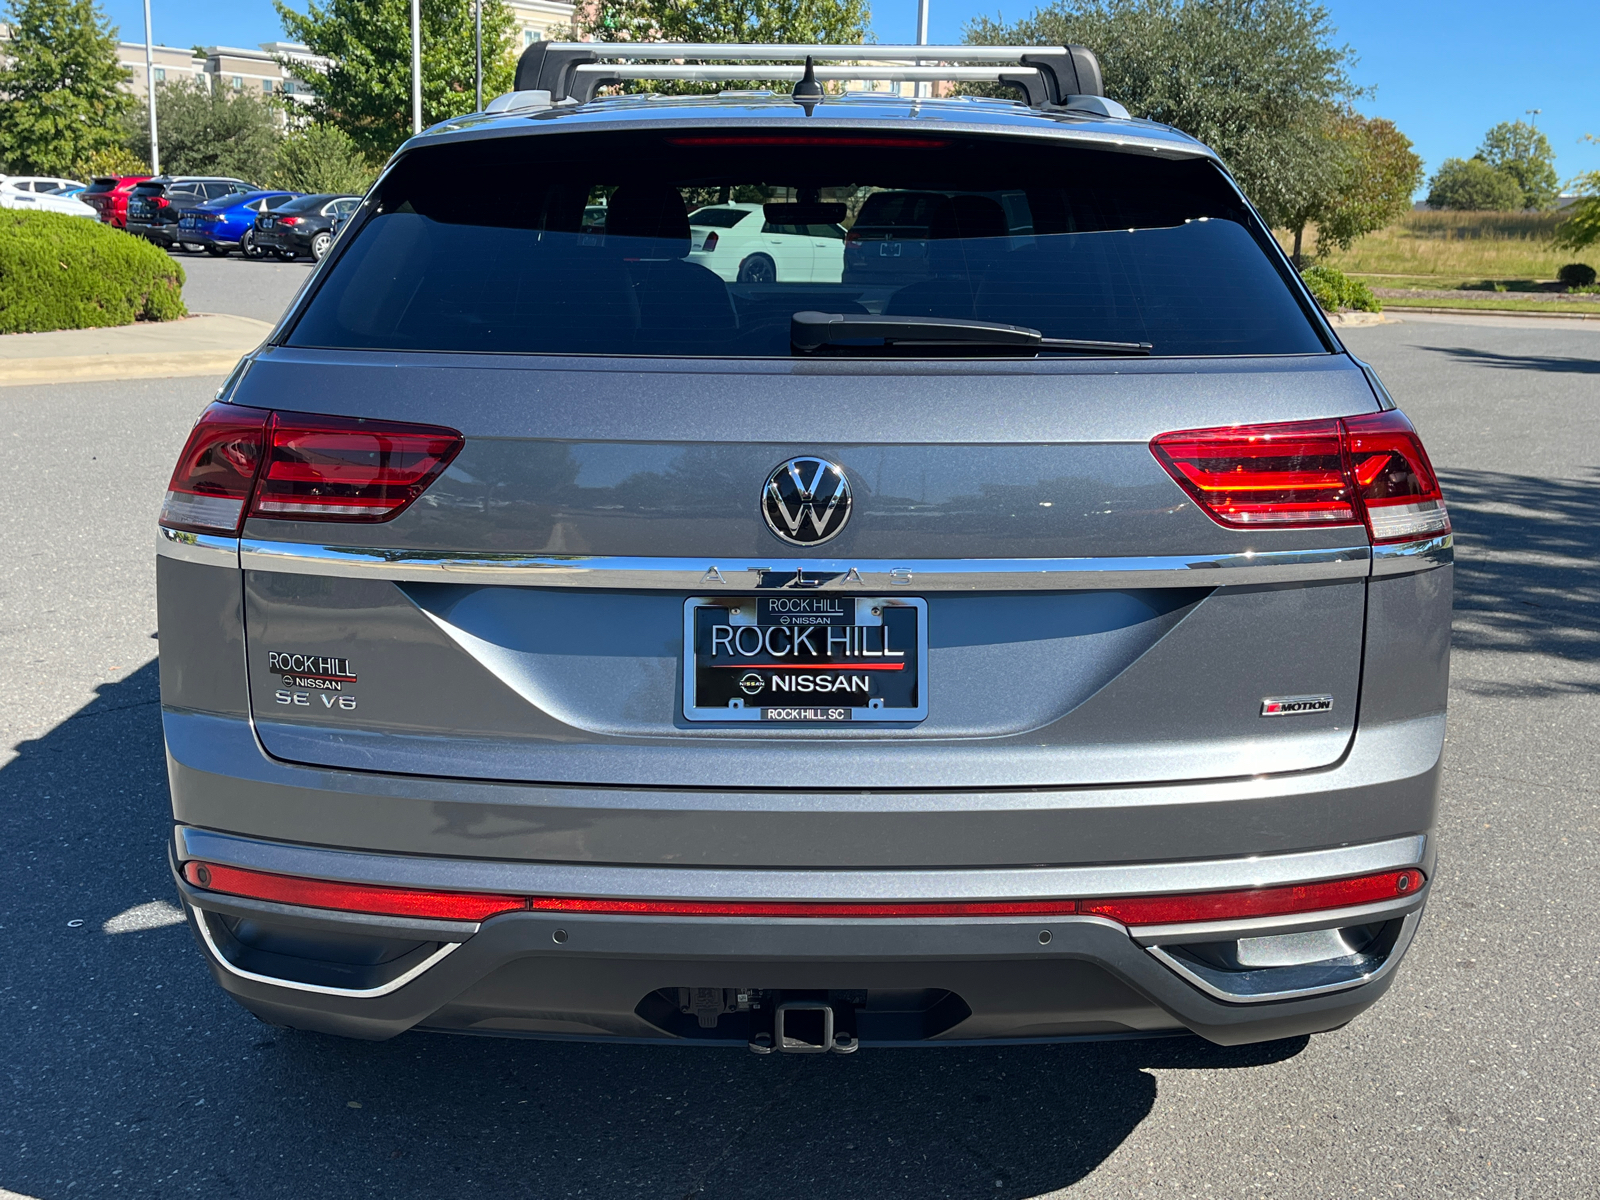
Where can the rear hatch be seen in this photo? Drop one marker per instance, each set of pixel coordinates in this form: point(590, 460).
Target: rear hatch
point(661, 517)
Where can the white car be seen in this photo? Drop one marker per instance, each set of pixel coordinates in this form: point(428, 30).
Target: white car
point(742, 246)
point(42, 192)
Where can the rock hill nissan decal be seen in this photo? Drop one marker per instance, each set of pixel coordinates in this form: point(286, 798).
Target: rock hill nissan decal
point(806, 501)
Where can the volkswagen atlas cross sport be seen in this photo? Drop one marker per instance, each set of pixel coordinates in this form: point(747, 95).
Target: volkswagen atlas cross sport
point(1034, 625)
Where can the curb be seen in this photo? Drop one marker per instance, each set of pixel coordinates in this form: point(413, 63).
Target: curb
point(92, 368)
point(1495, 312)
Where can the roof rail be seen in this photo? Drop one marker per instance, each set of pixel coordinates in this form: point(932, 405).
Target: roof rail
point(1046, 75)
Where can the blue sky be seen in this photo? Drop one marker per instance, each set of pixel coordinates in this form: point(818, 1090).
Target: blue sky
point(1444, 72)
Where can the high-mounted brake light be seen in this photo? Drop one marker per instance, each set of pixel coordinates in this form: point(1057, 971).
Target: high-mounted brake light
point(1128, 910)
point(242, 462)
point(783, 139)
point(1307, 474)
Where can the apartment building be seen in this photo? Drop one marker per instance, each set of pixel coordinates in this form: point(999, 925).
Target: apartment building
point(538, 21)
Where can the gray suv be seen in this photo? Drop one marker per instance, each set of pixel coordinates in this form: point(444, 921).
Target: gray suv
point(1042, 637)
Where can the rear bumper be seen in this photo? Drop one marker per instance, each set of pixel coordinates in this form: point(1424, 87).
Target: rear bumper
point(899, 981)
point(198, 237)
point(161, 235)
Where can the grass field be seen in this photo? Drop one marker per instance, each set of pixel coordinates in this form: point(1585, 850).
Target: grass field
point(1458, 250)
point(1495, 303)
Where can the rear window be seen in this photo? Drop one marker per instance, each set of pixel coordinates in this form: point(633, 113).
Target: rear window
point(149, 189)
point(1078, 244)
point(305, 203)
point(718, 218)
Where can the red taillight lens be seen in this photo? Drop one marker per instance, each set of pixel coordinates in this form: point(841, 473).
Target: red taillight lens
point(1249, 475)
point(1129, 910)
point(349, 897)
point(1305, 474)
point(288, 220)
point(341, 469)
point(212, 481)
point(1395, 480)
point(160, 201)
point(1256, 902)
point(710, 243)
point(300, 468)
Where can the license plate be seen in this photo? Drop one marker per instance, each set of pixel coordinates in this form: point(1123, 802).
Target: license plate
point(805, 659)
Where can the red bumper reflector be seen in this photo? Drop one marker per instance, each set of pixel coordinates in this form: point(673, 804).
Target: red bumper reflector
point(476, 906)
point(349, 897)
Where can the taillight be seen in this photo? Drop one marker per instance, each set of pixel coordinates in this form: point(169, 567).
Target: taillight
point(288, 220)
point(294, 466)
point(1306, 474)
point(710, 243)
point(212, 481)
point(1394, 478)
point(1133, 911)
point(159, 201)
point(342, 469)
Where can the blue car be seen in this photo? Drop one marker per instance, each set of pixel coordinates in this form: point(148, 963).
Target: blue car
point(228, 222)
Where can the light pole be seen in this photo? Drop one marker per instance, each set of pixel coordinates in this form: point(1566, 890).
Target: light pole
point(923, 89)
point(1534, 113)
point(477, 47)
point(150, 91)
point(416, 65)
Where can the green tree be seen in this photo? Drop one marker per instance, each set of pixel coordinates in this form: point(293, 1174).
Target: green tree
point(1525, 154)
point(209, 131)
point(321, 158)
point(838, 22)
point(367, 90)
point(1472, 185)
point(113, 160)
point(1260, 81)
point(60, 86)
point(1379, 173)
point(1582, 228)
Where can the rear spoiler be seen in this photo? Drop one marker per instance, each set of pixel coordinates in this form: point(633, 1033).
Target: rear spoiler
point(573, 71)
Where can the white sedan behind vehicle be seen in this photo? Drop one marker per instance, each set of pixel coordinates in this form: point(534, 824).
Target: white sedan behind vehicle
point(742, 246)
point(42, 193)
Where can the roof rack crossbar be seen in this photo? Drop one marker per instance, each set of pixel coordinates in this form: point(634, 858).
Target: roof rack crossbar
point(576, 70)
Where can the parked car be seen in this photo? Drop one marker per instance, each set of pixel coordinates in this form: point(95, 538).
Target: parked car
point(898, 235)
point(229, 223)
point(559, 640)
point(108, 196)
point(303, 225)
point(738, 243)
point(155, 206)
point(42, 193)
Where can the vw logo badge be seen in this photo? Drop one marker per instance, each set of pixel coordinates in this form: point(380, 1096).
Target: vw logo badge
point(806, 501)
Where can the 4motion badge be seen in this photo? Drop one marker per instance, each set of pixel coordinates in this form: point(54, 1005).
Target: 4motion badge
point(1295, 706)
point(806, 501)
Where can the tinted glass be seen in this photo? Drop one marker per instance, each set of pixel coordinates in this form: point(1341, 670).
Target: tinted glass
point(1075, 243)
point(306, 204)
point(718, 218)
point(100, 187)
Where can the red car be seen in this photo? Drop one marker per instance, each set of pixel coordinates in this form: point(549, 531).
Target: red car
point(108, 196)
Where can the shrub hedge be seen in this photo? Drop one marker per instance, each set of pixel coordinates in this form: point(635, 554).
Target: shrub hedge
point(1335, 290)
point(61, 272)
point(1576, 275)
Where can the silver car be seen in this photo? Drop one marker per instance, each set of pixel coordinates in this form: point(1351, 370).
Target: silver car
point(1039, 632)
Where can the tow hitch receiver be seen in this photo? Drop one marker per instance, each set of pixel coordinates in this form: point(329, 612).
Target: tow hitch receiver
point(803, 1027)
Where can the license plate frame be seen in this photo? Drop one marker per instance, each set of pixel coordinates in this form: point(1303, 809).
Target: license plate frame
point(812, 708)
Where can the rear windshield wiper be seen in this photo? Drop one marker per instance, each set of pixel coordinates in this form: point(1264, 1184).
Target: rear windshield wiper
point(810, 332)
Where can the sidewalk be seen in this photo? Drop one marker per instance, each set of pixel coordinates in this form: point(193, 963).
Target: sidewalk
point(202, 344)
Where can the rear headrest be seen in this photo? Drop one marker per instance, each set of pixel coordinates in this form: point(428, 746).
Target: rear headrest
point(647, 211)
point(969, 217)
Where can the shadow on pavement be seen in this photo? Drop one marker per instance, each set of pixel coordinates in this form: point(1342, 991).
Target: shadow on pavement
point(1528, 568)
point(128, 1071)
point(1520, 362)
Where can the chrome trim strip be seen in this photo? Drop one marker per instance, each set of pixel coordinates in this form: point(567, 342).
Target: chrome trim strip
point(863, 576)
point(1406, 558)
point(394, 985)
point(1390, 962)
point(705, 883)
point(206, 548)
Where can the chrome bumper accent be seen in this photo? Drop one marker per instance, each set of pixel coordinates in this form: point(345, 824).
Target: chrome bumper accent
point(859, 575)
point(206, 548)
point(1405, 558)
point(203, 924)
point(706, 883)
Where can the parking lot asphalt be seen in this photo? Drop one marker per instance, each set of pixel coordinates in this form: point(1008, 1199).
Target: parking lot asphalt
point(246, 287)
point(127, 1073)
